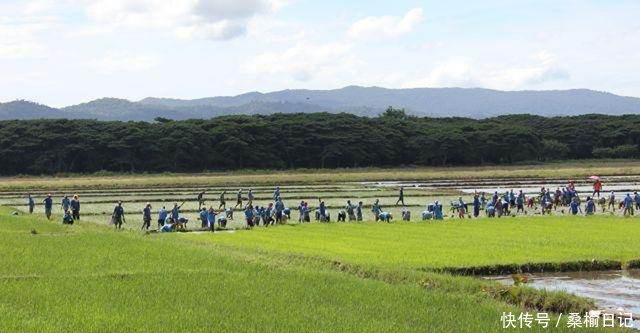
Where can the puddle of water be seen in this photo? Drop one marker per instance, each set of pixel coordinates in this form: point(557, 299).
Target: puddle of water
point(611, 290)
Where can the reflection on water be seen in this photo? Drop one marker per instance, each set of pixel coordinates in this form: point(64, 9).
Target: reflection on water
point(611, 290)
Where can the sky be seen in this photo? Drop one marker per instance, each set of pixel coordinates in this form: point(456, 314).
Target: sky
point(64, 52)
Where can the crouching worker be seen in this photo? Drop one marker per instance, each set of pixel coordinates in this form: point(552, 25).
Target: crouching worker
point(490, 210)
point(406, 215)
point(222, 222)
point(67, 218)
point(385, 217)
point(168, 227)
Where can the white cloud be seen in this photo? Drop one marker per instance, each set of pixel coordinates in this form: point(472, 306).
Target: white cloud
point(19, 39)
point(122, 62)
point(465, 72)
point(386, 26)
point(304, 61)
point(201, 19)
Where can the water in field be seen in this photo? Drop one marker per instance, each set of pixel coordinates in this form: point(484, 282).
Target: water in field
point(611, 290)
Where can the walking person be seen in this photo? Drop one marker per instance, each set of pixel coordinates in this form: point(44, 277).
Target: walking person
point(118, 215)
point(48, 205)
point(400, 196)
point(279, 207)
point(201, 199)
point(476, 205)
point(350, 208)
point(239, 199)
point(359, 212)
point(276, 193)
point(75, 207)
point(223, 204)
point(31, 203)
point(250, 197)
point(146, 217)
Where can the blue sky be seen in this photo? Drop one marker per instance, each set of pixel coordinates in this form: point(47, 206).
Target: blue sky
point(62, 52)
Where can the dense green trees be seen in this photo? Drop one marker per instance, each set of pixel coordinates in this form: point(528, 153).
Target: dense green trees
point(318, 140)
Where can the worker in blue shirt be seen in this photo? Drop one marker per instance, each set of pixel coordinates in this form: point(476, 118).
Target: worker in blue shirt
point(162, 216)
point(248, 214)
point(279, 207)
point(48, 205)
point(476, 205)
point(575, 206)
point(118, 215)
point(359, 212)
point(204, 218)
point(211, 219)
point(437, 211)
point(628, 205)
point(65, 203)
point(590, 208)
point(276, 193)
point(175, 212)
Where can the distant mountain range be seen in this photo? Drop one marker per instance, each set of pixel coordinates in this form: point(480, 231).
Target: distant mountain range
point(366, 101)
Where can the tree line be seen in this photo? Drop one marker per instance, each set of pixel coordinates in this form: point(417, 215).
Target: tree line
point(316, 140)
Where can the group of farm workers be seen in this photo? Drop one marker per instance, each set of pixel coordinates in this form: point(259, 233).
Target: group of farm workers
point(548, 200)
point(70, 207)
point(497, 205)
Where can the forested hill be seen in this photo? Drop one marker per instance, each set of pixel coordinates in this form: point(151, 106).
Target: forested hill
point(364, 101)
point(317, 140)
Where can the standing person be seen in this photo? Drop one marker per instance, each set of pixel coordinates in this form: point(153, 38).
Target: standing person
point(250, 197)
point(118, 215)
point(162, 216)
point(612, 201)
point(628, 205)
point(211, 219)
point(175, 212)
point(359, 212)
point(350, 208)
point(476, 205)
point(301, 208)
point(239, 199)
point(32, 204)
point(520, 202)
point(48, 205)
point(597, 187)
point(276, 193)
point(590, 208)
point(279, 209)
point(437, 211)
point(376, 209)
point(65, 203)
point(575, 206)
point(146, 217)
point(400, 196)
point(323, 211)
point(75, 207)
point(204, 218)
point(248, 214)
point(201, 199)
point(223, 204)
